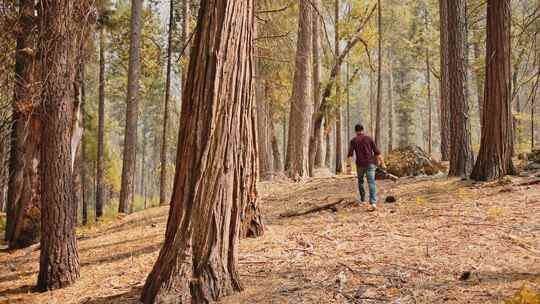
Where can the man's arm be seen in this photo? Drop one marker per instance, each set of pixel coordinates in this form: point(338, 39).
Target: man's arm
point(378, 155)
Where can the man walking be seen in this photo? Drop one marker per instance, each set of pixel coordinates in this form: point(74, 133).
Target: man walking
point(368, 156)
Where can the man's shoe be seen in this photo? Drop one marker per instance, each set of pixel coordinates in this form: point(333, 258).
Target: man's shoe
point(373, 208)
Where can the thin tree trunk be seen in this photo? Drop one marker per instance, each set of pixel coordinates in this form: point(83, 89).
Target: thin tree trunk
point(316, 159)
point(444, 82)
point(59, 260)
point(328, 139)
point(371, 104)
point(216, 172)
point(24, 193)
point(297, 159)
point(378, 118)
point(100, 188)
point(496, 148)
point(164, 138)
point(429, 103)
point(461, 154)
point(348, 108)
point(390, 102)
point(132, 111)
point(479, 82)
point(82, 168)
point(278, 163)
point(143, 163)
point(261, 98)
point(339, 158)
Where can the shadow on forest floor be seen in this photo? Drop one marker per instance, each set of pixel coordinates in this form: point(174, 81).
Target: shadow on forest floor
point(128, 297)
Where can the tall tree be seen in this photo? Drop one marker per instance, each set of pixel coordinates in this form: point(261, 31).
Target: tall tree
point(216, 165)
point(378, 113)
point(339, 156)
point(478, 80)
point(496, 148)
point(164, 141)
point(186, 18)
point(262, 105)
point(316, 153)
point(390, 102)
point(59, 261)
point(297, 159)
point(444, 91)
point(24, 195)
point(428, 82)
point(132, 110)
point(100, 187)
point(461, 154)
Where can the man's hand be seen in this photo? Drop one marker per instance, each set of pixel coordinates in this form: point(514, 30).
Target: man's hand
point(348, 171)
point(380, 161)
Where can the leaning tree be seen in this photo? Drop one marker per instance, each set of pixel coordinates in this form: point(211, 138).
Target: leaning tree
point(495, 157)
point(216, 171)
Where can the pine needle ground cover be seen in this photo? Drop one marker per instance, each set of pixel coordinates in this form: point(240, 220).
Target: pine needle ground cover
point(443, 241)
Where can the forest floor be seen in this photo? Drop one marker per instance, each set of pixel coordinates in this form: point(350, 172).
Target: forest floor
point(444, 241)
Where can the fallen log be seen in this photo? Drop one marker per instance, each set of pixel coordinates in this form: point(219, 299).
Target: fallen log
point(329, 206)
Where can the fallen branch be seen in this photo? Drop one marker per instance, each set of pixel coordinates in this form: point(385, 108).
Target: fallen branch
point(530, 183)
point(332, 205)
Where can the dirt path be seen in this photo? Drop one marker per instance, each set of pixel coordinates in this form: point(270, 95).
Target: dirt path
point(414, 251)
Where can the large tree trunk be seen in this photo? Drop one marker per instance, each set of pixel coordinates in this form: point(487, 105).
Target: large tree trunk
point(495, 157)
point(216, 172)
point(132, 111)
point(461, 154)
point(24, 194)
point(390, 102)
point(59, 260)
point(339, 157)
point(444, 91)
point(316, 153)
point(164, 140)
point(100, 187)
point(186, 18)
point(297, 160)
point(378, 117)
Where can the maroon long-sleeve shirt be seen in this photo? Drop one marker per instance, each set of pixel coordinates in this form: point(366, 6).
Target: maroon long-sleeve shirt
point(365, 150)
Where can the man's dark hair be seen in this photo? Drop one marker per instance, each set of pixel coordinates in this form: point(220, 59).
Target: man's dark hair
point(358, 128)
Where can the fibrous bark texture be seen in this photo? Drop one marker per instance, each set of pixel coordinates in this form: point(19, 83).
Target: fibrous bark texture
point(100, 187)
point(297, 159)
point(461, 154)
point(132, 111)
point(316, 153)
point(215, 182)
point(495, 157)
point(164, 140)
point(59, 261)
point(444, 90)
point(24, 199)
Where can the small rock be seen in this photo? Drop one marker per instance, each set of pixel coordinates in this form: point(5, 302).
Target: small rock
point(465, 276)
point(154, 225)
point(390, 199)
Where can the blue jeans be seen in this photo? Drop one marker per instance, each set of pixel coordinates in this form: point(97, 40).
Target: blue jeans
point(370, 173)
